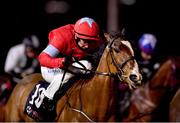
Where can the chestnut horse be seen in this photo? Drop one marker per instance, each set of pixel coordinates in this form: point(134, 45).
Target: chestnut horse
point(151, 101)
point(92, 99)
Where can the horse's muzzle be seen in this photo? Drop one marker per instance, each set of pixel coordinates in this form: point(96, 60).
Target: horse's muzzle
point(136, 78)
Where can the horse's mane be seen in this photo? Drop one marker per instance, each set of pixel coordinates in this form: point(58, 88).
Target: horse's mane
point(81, 82)
point(174, 64)
point(114, 34)
point(165, 73)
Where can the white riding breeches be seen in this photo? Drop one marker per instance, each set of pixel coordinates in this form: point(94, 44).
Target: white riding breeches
point(54, 76)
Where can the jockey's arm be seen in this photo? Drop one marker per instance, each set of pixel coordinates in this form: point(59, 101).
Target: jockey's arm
point(11, 63)
point(48, 58)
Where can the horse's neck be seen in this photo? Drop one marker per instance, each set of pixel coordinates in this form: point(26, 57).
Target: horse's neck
point(103, 67)
point(162, 76)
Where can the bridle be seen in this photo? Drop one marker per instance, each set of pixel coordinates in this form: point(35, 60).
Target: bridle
point(119, 67)
point(120, 72)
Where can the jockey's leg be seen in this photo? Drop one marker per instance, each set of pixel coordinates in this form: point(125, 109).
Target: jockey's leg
point(56, 83)
point(54, 77)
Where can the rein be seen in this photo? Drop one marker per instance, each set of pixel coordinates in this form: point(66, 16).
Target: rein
point(118, 74)
point(80, 110)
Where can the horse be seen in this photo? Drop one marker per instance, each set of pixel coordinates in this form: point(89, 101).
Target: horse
point(88, 100)
point(151, 101)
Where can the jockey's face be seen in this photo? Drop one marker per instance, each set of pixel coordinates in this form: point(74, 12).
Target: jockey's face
point(86, 44)
point(146, 56)
point(30, 52)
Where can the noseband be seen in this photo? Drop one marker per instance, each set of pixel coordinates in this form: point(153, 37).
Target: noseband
point(119, 67)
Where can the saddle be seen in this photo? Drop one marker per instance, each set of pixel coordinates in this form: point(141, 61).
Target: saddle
point(34, 109)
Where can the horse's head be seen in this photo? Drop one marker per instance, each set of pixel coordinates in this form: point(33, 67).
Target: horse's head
point(122, 56)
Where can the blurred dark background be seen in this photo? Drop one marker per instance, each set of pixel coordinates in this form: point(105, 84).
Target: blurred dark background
point(22, 17)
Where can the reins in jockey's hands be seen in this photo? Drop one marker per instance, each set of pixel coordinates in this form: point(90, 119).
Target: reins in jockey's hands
point(74, 66)
point(68, 60)
point(78, 68)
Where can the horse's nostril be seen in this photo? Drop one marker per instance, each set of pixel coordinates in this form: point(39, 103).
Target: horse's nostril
point(133, 77)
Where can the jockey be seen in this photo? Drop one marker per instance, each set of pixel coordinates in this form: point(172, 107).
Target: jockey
point(147, 45)
point(66, 43)
point(22, 58)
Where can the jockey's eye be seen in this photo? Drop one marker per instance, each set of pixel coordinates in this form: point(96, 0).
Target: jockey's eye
point(88, 41)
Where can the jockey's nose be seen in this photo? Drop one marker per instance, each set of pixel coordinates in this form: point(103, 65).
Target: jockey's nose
point(86, 45)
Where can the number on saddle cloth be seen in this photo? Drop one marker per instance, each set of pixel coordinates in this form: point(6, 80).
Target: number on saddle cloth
point(33, 105)
point(34, 101)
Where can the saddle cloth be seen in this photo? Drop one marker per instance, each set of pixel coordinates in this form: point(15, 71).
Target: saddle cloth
point(32, 108)
point(33, 104)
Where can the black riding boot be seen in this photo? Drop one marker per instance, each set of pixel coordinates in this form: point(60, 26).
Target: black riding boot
point(48, 104)
point(48, 110)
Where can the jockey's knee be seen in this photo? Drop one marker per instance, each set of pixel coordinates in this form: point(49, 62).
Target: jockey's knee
point(49, 73)
point(60, 79)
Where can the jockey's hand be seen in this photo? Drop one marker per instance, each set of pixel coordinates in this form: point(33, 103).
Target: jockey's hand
point(68, 60)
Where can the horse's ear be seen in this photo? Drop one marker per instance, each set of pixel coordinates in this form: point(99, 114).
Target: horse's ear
point(123, 32)
point(107, 36)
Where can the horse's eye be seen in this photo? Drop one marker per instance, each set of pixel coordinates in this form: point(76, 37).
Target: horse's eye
point(117, 50)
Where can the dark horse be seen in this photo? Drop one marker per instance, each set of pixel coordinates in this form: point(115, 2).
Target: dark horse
point(92, 99)
point(151, 101)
